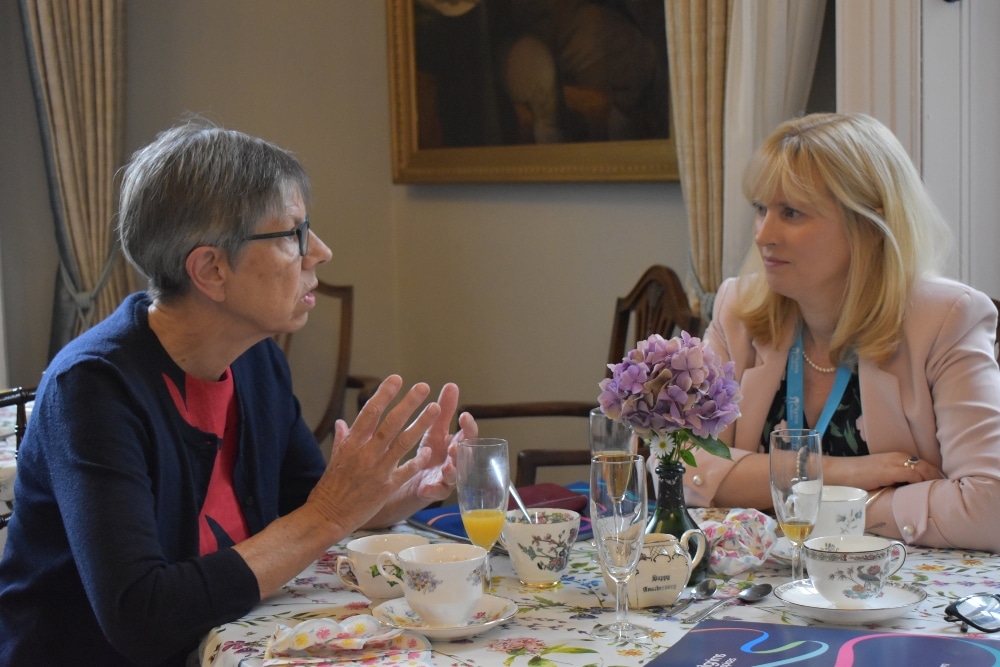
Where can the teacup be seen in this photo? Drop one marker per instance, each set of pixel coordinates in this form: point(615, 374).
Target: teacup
point(851, 570)
point(361, 574)
point(540, 550)
point(443, 583)
point(841, 512)
point(664, 568)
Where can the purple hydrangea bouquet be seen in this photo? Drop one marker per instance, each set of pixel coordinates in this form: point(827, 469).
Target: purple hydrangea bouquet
point(676, 395)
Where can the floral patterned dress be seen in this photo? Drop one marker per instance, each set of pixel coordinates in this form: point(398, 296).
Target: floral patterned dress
point(845, 434)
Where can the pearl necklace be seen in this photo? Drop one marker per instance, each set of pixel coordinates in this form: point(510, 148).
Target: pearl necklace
point(817, 367)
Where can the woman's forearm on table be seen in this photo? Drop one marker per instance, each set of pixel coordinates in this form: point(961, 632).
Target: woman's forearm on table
point(748, 484)
point(287, 546)
point(878, 514)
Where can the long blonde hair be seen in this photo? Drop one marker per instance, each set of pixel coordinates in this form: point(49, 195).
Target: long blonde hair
point(894, 229)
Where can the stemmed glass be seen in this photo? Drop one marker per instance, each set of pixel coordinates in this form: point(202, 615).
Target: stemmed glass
point(608, 435)
point(618, 519)
point(483, 478)
point(796, 486)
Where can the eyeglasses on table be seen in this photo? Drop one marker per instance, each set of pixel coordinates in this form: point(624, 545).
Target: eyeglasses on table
point(981, 611)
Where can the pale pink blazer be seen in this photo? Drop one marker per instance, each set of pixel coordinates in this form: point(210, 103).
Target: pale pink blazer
point(938, 398)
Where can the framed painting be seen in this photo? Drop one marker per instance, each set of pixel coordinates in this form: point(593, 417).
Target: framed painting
point(507, 91)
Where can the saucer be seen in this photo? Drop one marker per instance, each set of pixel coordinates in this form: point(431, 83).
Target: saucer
point(897, 599)
point(782, 550)
point(491, 611)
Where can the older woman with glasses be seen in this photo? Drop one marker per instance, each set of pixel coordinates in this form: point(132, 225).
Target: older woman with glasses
point(167, 482)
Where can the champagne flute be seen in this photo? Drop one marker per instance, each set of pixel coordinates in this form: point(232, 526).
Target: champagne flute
point(796, 486)
point(618, 519)
point(483, 478)
point(608, 435)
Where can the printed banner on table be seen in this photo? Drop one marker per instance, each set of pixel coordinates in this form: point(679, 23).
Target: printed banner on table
point(736, 644)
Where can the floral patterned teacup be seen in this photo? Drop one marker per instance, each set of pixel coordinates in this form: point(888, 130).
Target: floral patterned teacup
point(357, 569)
point(443, 583)
point(851, 570)
point(540, 550)
point(841, 512)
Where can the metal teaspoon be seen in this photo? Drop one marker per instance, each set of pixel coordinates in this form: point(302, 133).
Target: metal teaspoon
point(520, 503)
point(703, 591)
point(747, 595)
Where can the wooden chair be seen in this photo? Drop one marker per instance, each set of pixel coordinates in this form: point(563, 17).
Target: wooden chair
point(657, 304)
point(20, 397)
point(334, 321)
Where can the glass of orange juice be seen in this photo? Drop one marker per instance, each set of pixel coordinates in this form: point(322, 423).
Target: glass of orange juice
point(483, 479)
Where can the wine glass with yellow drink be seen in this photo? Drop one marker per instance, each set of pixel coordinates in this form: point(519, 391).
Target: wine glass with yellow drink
point(483, 479)
point(796, 486)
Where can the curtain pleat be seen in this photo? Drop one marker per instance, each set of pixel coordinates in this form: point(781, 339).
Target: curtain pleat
point(696, 48)
point(76, 53)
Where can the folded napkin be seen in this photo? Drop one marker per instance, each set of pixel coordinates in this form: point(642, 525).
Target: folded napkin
point(547, 494)
point(740, 542)
point(358, 640)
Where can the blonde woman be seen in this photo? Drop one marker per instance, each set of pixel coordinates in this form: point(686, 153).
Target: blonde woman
point(840, 322)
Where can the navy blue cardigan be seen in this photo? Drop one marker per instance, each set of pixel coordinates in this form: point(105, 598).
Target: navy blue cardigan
point(102, 564)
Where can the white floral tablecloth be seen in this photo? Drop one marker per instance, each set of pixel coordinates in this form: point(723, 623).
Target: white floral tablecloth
point(552, 627)
point(8, 465)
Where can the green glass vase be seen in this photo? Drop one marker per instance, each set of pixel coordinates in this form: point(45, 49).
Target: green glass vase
point(671, 514)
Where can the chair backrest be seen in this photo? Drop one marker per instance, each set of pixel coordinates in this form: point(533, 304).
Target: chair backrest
point(323, 363)
point(657, 304)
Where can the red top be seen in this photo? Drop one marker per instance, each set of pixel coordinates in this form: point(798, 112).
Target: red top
point(211, 407)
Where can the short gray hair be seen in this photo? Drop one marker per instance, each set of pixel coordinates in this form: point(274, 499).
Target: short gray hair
point(194, 185)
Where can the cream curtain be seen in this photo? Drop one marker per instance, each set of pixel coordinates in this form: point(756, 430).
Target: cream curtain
point(696, 51)
point(737, 69)
point(76, 53)
point(772, 56)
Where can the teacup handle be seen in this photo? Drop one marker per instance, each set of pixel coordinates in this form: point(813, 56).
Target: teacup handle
point(388, 564)
point(897, 556)
point(351, 579)
point(702, 544)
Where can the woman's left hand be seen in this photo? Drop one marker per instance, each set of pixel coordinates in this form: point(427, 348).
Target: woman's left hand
point(436, 478)
point(878, 470)
point(436, 473)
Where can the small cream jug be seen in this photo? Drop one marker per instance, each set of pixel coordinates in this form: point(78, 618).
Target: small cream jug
point(664, 569)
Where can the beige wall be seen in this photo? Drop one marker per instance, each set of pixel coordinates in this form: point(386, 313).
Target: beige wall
point(506, 289)
point(27, 247)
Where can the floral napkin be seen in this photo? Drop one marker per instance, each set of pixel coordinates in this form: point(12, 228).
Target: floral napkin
point(358, 640)
point(740, 542)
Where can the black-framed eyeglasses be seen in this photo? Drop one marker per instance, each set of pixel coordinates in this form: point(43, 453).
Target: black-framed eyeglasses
point(981, 611)
point(301, 233)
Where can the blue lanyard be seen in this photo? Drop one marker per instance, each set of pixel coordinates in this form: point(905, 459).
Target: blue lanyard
point(794, 392)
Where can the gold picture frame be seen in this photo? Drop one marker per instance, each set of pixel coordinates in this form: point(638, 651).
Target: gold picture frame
point(595, 161)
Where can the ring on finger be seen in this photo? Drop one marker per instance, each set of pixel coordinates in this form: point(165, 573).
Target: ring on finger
point(911, 462)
